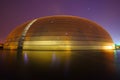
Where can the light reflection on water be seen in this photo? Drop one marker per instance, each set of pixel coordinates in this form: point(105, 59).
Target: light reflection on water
point(98, 65)
point(117, 61)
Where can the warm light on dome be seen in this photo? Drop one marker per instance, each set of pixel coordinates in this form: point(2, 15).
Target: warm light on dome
point(59, 33)
point(109, 47)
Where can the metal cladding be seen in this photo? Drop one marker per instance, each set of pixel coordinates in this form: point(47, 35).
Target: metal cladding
point(59, 33)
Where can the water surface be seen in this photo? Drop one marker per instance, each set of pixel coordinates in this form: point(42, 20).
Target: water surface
point(36, 65)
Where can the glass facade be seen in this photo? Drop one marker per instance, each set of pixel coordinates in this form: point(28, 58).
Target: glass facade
point(59, 33)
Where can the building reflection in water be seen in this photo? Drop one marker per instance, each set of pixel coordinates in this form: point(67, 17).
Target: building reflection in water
point(29, 65)
point(25, 58)
point(117, 62)
point(69, 64)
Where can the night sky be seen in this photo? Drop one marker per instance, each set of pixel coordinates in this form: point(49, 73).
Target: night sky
point(104, 12)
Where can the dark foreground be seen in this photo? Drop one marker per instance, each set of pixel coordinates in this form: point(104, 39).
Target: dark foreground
point(59, 65)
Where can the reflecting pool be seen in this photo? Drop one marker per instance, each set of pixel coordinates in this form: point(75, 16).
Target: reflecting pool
point(74, 65)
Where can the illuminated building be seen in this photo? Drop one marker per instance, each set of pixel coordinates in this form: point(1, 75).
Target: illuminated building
point(117, 46)
point(59, 33)
point(1, 45)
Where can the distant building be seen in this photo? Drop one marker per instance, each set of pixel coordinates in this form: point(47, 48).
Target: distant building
point(117, 46)
point(1, 45)
point(59, 33)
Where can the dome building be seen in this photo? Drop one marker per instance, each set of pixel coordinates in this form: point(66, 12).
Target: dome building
point(59, 33)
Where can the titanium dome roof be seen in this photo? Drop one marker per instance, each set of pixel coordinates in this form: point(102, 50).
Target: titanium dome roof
point(58, 33)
